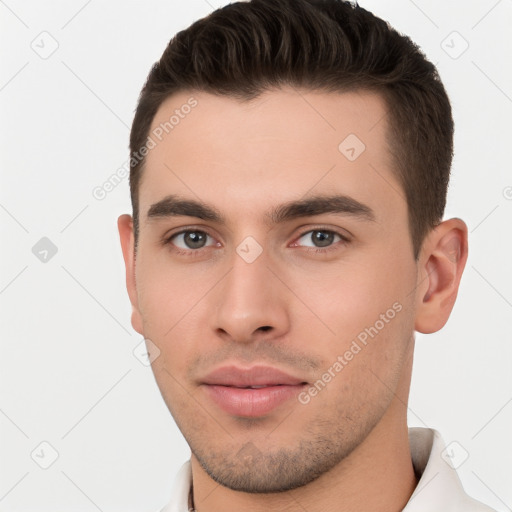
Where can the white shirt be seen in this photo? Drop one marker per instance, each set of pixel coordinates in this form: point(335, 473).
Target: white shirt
point(439, 488)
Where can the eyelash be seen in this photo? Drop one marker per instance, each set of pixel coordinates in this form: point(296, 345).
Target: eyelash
point(324, 250)
point(196, 252)
point(190, 253)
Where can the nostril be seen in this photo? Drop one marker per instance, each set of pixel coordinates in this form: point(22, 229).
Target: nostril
point(265, 328)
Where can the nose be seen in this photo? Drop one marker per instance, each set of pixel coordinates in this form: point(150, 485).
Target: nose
point(251, 303)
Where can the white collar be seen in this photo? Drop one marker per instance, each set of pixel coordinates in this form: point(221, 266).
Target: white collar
point(439, 487)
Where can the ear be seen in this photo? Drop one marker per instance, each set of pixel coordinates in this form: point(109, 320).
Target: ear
point(125, 227)
point(441, 263)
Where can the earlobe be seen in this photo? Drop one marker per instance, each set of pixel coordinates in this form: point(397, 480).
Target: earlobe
point(442, 262)
point(125, 228)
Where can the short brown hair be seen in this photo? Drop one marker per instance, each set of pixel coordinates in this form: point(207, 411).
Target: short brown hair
point(246, 48)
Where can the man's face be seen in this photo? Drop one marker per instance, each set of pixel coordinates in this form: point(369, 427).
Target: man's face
point(254, 280)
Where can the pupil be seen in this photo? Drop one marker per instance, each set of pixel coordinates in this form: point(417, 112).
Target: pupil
point(195, 239)
point(322, 238)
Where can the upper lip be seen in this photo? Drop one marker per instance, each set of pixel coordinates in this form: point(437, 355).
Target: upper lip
point(253, 376)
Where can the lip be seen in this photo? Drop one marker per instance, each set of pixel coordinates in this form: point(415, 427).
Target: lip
point(240, 377)
point(229, 388)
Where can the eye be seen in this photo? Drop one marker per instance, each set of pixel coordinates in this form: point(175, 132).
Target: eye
point(319, 238)
point(191, 240)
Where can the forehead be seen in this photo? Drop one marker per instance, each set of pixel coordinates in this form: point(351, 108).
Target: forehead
point(277, 147)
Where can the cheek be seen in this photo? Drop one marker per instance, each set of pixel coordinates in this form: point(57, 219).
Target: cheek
point(172, 308)
point(377, 322)
point(351, 297)
point(169, 294)
point(369, 310)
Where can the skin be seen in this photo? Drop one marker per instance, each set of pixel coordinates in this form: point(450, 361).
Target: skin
point(297, 307)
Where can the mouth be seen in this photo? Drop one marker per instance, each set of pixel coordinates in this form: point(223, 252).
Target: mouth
point(248, 387)
point(251, 392)
point(251, 401)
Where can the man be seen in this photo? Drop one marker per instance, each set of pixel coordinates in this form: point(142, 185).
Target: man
point(290, 161)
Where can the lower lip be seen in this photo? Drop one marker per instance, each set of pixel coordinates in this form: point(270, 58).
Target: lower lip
point(251, 403)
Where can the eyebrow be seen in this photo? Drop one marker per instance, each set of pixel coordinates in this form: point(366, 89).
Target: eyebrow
point(173, 206)
point(318, 205)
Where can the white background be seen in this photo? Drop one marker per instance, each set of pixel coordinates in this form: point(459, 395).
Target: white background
point(68, 373)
